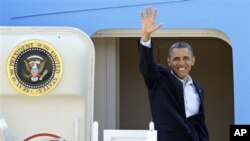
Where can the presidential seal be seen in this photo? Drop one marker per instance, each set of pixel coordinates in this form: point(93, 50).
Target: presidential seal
point(34, 67)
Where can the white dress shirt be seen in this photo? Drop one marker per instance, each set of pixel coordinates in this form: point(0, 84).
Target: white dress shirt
point(191, 97)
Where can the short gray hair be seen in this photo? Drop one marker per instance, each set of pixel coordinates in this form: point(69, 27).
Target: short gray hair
point(180, 44)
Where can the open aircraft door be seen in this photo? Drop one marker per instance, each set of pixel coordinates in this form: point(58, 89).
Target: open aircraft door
point(47, 83)
point(47, 87)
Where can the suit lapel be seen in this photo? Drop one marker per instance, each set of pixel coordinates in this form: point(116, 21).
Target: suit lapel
point(180, 96)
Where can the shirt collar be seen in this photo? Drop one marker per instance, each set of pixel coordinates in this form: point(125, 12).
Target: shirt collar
point(189, 79)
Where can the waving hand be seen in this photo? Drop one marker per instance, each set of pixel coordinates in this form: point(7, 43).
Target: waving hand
point(148, 25)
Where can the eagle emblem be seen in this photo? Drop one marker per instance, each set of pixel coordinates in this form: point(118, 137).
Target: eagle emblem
point(35, 68)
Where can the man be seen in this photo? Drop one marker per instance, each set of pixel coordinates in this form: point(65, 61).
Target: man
point(176, 101)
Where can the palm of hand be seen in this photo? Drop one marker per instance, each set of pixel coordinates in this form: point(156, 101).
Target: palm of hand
point(148, 25)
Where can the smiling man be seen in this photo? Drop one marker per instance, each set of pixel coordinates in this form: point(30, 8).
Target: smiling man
point(176, 100)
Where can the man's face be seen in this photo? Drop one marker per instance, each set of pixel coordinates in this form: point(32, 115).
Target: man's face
point(180, 61)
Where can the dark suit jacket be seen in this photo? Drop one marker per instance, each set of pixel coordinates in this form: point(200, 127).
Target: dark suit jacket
point(165, 93)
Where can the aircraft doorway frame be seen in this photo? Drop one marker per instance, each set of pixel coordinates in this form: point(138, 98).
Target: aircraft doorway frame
point(108, 43)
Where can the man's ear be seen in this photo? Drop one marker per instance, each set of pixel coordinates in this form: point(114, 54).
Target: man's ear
point(193, 60)
point(169, 61)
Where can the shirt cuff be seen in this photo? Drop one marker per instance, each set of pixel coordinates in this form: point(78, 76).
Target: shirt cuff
point(146, 44)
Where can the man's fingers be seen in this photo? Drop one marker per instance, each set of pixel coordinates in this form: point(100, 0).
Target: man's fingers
point(155, 14)
point(142, 15)
point(149, 11)
point(158, 26)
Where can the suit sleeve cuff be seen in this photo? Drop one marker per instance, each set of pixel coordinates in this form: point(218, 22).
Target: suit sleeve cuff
point(146, 44)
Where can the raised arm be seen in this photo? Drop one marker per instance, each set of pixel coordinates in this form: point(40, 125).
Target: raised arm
point(147, 64)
